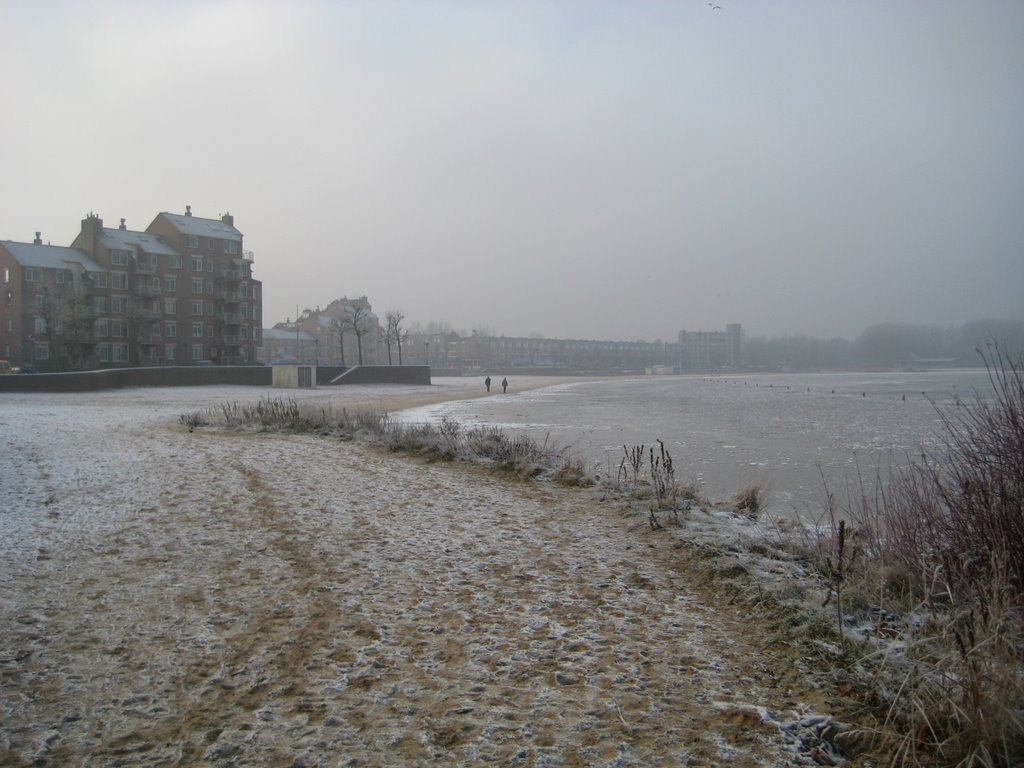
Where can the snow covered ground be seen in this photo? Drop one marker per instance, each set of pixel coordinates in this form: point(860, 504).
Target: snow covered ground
point(201, 598)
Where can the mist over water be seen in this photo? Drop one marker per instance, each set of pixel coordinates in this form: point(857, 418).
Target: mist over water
point(783, 431)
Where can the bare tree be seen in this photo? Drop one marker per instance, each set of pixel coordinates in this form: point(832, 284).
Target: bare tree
point(395, 334)
point(62, 312)
point(357, 321)
point(339, 327)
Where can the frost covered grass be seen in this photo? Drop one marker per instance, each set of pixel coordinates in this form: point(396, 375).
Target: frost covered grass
point(919, 585)
point(935, 562)
point(515, 455)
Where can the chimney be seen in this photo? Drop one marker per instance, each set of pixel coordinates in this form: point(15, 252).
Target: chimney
point(38, 240)
point(228, 219)
point(122, 227)
point(188, 210)
point(92, 228)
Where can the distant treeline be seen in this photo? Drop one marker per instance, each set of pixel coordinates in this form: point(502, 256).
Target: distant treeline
point(887, 345)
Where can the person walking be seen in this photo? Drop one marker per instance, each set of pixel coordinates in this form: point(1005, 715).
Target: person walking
point(504, 385)
point(487, 383)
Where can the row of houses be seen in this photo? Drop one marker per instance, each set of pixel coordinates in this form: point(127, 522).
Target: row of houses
point(349, 332)
point(692, 350)
point(181, 290)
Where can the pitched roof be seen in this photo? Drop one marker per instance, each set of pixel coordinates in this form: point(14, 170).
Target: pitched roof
point(193, 225)
point(126, 239)
point(50, 256)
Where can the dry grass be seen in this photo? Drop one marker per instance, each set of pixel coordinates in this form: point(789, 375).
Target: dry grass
point(942, 545)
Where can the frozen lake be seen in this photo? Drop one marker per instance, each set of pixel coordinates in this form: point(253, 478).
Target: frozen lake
point(726, 432)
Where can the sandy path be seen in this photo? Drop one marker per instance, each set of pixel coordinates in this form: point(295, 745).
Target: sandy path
point(292, 600)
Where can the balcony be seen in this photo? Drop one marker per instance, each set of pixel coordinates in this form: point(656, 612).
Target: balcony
point(231, 275)
point(229, 340)
point(148, 291)
point(230, 318)
point(229, 297)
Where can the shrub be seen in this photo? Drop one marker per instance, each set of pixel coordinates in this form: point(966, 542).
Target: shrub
point(748, 501)
point(193, 420)
point(572, 474)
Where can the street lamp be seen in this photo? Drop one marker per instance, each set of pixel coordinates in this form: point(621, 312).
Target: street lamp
point(426, 352)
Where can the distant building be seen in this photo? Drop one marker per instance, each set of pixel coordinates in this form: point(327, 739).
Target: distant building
point(181, 291)
point(694, 351)
point(710, 350)
point(288, 346)
point(344, 333)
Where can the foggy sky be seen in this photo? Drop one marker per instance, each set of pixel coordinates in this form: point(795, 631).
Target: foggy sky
point(614, 170)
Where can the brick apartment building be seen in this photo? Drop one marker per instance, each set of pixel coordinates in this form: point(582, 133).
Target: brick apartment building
point(180, 292)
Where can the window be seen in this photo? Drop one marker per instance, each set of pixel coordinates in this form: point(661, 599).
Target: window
point(119, 281)
point(197, 263)
point(244, 312)
point(171, 328)
point(60, 277)
point(118, 305)
point(197, 285)
point(39, 325)
point(209, 309)
point(10, 324)
point(197, 330)
point(171, 352)
point(174, 261)
point(245, 333)
point(170, 306)
point(99, 304)
point(211, 243)
point(209, 266)
point(41, 300)
point(33, 275)
point(103, 352)
point(118, 329)
point(170, 283)
point(230, 246)
point(101, 327)
point(191, 241)
point(41, 351)
point(197, 351)
point(120, 352)
point(197, 307)
point(7, 275)
point(99, 279)
point(255, 293)
point(118, 258)
point(209, 331)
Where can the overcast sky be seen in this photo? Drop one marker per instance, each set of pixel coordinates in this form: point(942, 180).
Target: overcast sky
point(612, 170)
